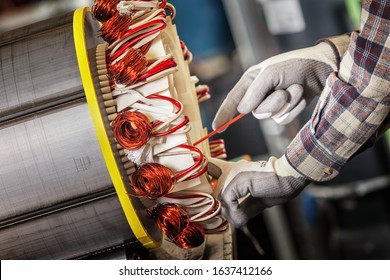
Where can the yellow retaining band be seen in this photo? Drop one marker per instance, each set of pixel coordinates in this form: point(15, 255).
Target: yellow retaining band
point(86, 76)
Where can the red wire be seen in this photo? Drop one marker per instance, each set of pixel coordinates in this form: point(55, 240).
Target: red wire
point(133, 42)
point(217, 141)
point(150, 180)
point(199, 173)
point(162, 3)
point(163, 65)
point(178, 105)
point(131, 30)
point(173, 129)
point(197, 163)
point(132, 130)
point(153, 180)
point(218, 153)
point(225, 125)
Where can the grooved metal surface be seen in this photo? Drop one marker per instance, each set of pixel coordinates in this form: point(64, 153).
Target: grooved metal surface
point(57, 200)
point(48, 159)
point(39, 70)
point(68, 234)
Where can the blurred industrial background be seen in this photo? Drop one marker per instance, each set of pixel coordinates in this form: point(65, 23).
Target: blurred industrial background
point(346, 218)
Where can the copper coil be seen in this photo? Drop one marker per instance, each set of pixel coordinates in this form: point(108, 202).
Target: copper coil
point(171, 218)
point(131, 130)
point(129, 68)
point(103, 10)
point(113, 28)
point(152, 180)
point(192, 236)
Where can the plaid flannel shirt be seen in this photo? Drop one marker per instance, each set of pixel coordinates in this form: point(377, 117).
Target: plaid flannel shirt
point(353, 109)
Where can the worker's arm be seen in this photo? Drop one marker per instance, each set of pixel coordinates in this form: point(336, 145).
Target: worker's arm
point(354, 106)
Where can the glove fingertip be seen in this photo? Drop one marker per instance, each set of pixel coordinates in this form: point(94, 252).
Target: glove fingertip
point(290, 116)
point(214, 124)
point(220, 119)
point(261, 116)
point(295, 89)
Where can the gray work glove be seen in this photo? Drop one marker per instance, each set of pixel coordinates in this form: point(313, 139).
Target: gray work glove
point(281, 86)
point(246, 188)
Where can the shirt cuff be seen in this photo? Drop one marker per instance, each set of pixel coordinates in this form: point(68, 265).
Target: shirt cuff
point(306, 156)
point(339, 45)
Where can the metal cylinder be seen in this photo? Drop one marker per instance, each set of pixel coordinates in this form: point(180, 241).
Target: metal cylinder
point(57, 200)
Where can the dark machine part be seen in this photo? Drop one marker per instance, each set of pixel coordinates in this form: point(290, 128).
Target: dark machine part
point(57, 200)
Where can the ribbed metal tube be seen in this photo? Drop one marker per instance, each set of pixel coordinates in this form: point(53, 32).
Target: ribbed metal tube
point(57, 200)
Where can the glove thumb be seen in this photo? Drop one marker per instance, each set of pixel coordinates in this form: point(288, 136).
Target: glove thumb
point(216, 167)
point(219, 169)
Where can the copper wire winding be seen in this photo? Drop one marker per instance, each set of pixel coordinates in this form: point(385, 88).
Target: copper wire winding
point(174, 221)
point(127, 70)
point(151, 180)
point(171, 218)
point(103, 10)
point(113, 28)
point(192, 236)
point(131, 129)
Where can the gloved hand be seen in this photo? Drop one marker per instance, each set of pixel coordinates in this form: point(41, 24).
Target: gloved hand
point(246, 188)
point(281, 86)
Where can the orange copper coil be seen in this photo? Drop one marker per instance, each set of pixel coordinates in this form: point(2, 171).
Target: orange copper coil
point(171, 218)
point(127, 70)
point(114, 27)
point(131, 129)
point(174, 221)
point(151, 180)
point(103, 10)
point(192, 236)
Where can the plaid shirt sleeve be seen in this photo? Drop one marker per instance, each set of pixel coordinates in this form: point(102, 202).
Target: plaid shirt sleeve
point(353, 109)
